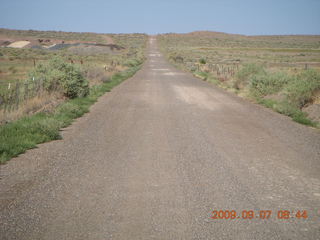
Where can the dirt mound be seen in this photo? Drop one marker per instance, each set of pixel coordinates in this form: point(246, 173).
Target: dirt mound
point(19, 44)
point(4, 43)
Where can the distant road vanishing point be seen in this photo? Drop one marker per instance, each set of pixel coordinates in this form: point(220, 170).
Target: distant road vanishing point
point(167, 156)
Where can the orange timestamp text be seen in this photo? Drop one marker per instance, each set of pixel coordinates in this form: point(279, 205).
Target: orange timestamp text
point(260, 214)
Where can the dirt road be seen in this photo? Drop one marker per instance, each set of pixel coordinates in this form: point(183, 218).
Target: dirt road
point(155, 157)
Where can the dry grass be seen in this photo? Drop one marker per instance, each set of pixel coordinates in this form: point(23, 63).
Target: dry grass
point(278, 52)
point(45, 102)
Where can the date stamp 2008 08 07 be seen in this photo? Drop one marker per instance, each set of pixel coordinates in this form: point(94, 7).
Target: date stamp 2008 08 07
point(262, 214)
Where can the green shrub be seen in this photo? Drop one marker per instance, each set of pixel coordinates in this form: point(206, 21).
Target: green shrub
point(269, 103)
point(176, 58)
point(243, 76)
point(286, 108)
point(132, 62)
point(295, 113)
point(202, 75)
point(193, 68)
point(263, 84)
point(58, 74)
point(202, 61)
point(300, 90)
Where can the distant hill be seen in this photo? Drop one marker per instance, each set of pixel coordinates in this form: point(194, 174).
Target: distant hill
point(291, 41)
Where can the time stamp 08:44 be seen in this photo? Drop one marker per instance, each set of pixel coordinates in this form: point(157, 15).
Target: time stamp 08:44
point(261, 214)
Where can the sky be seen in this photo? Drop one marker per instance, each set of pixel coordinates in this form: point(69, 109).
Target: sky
point(249, 17)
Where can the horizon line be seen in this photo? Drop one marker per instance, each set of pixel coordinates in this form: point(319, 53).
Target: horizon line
point(152, 34)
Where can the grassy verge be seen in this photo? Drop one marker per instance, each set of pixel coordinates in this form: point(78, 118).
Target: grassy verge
point(287, 109)
point(27, 132)
point(292, 92)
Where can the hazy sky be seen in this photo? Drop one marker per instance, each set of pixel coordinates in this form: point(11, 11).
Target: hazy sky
point(158, 16)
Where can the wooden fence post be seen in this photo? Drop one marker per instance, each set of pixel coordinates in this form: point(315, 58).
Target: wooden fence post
point(17, 95)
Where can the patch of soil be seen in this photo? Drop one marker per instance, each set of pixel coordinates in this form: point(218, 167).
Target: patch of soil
point(313, 112)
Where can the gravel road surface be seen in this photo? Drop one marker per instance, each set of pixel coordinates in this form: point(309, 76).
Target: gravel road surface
point(155, 157)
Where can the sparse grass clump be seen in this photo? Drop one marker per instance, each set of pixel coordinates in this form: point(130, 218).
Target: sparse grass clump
point(300, 90)
point(202, 75)
point(263, 83)
point(246, 73)
point(132, 62)
point(202, 61)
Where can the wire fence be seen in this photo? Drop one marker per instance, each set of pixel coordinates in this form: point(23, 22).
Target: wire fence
point(221, 71)
point(13, 95)
point(225, 71)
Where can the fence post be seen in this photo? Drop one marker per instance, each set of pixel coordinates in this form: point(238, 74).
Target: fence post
point(26, 93)
point(17, 92)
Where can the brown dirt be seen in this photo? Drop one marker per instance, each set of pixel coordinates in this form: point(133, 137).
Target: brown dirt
point(313, 111)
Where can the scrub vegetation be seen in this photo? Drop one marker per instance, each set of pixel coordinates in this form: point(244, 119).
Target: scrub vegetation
point(55, 66)
point(280, 72)
point(43, 88)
